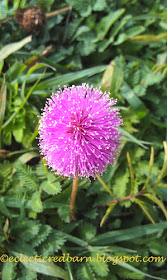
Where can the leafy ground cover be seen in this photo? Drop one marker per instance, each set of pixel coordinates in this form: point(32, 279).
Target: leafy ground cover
point(120, 46)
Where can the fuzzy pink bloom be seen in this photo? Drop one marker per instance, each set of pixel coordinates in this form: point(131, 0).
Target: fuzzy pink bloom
point(78, 131)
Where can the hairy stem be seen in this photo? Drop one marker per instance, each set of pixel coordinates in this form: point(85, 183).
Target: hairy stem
point(128, 197)
point(73, 197)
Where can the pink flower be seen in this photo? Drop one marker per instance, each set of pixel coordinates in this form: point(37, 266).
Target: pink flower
point(78, 131)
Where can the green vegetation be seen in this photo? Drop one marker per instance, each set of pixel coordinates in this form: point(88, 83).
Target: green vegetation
point(120, 46)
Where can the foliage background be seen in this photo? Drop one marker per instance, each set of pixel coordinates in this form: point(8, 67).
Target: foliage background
point(120, 46)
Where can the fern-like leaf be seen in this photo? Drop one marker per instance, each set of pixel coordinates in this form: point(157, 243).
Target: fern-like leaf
point(101, 269)
point(28, 274)
point(85, 272)
point(25, 230)
point(80, 5)
point(40, 170)
point(53, 243)
point(43, 233)
point(25, 174)
point(64, 213)
point(36, 202)
point(8, 272)
point(87, 231)
point(152, 79)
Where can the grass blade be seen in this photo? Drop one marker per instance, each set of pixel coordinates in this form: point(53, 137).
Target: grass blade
point(13, 47)
point(126, 234)
point(70, 77)
point(46, 268)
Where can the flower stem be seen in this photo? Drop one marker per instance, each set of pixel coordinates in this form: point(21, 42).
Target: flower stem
point(73, 197)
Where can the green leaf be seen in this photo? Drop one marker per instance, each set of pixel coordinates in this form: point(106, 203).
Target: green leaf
point(44, 232)
point(17, 203)
point(99, 5)
point(127, 234)
point(113, 77)
point(85, 272)
point(121, 184)
point(86, 47)
point(127, 266)
point(133, 139)
point(117, 78)
point(163, 171)
point(158, 202)
point(1, 66)
point(100, 268)
point(75, 240)
point(129, 34)
point(25, 174)
point(104, 185)
point(150, 168)
point(80, 31)
point(50, 186)
point(3, 209)
point(14, 72)
point(52, 244)
point(134, 31)
point(47, 4)
point(161, 185)
point(3, 9)
point(34, 135)
point(8, 270)
point(28, 156)
point(18, 134)
point(87, 231)
point(108, 77)
point(158, 247)
point(27, 274)
point(25, 229)
point(107, 22)
point(108, 211)
point(68, 264)
point(117, 27)
point(70, 77)
point(64, 213)
point(131, 172)
point(36, 202)
point(22, 104)
point(16, 4)
point(137, 105)
point(30, 71)
point(13, 47)
point(144, 208)
point(151, 79)
point(46, 268)
point(3, 92)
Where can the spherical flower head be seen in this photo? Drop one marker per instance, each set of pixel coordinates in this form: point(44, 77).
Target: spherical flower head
point(78, 131)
